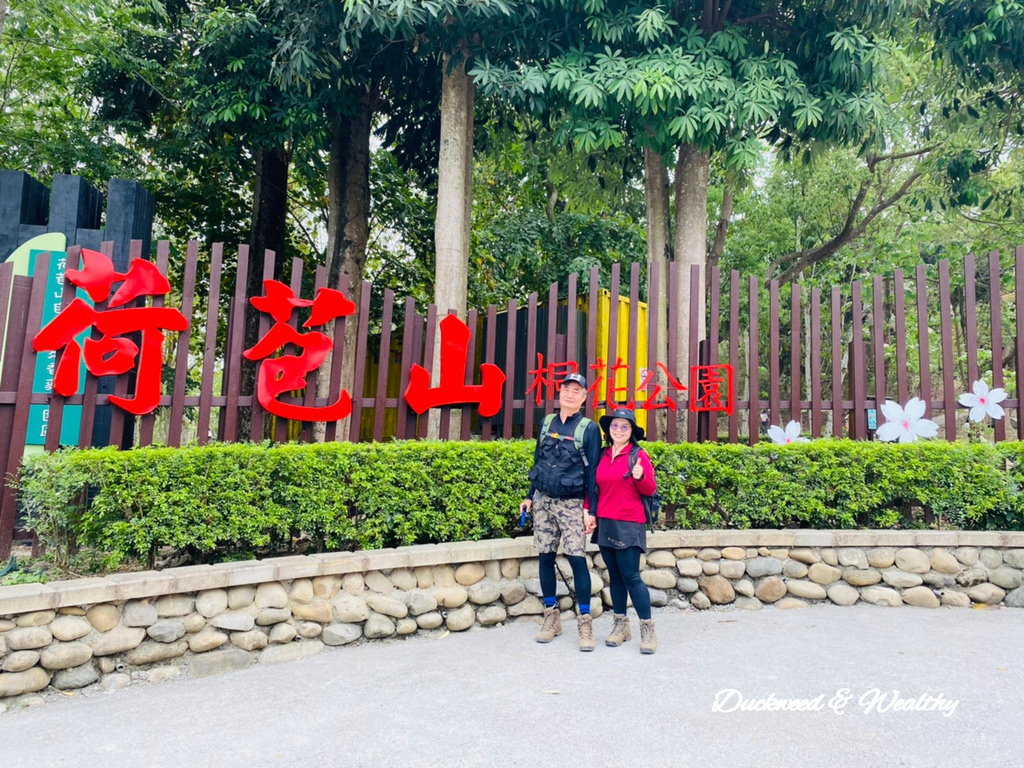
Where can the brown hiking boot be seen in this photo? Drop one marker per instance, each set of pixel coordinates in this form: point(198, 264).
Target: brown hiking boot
point(620, 632)
point(648, 640)
point(552, 626)
point(585, 626)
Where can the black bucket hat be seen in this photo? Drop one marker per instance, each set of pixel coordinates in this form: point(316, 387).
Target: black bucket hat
point(622, 413)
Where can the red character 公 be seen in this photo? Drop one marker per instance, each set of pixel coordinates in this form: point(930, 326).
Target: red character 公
point(288, 372)
point(707, 386)
point(548, 377)
point(652, 403)
point(112, 354)
point(452, 389)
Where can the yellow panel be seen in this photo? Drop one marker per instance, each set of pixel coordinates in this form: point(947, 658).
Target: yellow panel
point(623, 376)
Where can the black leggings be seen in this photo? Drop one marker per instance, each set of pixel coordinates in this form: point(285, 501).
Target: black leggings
point(624, 574)
point(580, 576)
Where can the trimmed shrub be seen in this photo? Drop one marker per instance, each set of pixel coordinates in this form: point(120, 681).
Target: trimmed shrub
point(228, 501)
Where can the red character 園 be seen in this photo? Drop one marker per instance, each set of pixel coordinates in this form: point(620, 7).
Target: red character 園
point(288, 372)
point(112, 354)
point(712, 388)
point(452, 389)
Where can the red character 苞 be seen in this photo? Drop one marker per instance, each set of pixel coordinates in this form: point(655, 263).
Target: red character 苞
point(452, 389)
point(282, 374)
point(112, 354)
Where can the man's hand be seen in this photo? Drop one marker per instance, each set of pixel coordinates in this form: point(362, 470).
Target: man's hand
point(589, 523)
point(526, 507)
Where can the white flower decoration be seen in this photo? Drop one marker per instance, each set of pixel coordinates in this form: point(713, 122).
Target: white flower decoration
point(905, 424)
point(791, 434)
point(984, 402)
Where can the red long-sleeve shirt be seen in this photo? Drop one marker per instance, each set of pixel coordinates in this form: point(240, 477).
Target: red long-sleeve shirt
point(618, 498)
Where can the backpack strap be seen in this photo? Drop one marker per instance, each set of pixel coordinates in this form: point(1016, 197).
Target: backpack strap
point(545, 426)
point(577, 437)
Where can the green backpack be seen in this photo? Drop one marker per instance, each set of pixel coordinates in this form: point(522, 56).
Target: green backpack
point(577, 435)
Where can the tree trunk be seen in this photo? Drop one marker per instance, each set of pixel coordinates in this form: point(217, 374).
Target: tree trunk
point(454, 201)
point(721, 230)
point(267, 232)
point(659, 252)
point(691, 220)
point(348, 228)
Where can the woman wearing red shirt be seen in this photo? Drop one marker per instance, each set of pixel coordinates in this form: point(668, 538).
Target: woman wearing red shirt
point(621, 529)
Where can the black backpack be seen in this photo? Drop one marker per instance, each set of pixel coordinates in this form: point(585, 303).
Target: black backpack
point(652, 503)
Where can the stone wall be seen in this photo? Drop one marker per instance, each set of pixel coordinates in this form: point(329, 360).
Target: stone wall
point(105, 633)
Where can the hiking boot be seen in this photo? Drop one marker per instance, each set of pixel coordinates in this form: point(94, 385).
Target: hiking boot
point(552, 626)
point(585, 626)
point(620, 632)
point(648, 640)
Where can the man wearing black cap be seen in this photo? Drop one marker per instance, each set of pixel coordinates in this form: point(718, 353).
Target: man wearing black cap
point(564, 474)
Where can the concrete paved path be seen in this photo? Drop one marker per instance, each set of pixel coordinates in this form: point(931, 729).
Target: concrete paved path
point(495, 698)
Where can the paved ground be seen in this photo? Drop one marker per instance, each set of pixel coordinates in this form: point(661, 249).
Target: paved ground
point(496, 698)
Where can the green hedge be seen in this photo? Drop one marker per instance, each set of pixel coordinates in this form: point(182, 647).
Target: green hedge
point(223, 501)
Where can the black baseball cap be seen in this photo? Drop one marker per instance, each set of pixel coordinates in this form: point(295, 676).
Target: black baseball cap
point(577, 378)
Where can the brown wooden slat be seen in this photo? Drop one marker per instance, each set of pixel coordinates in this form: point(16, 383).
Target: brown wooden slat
point(795, 363)
point(633, 330)
point(181, 364)
point(418, 424)
point(734, 352)
point(313, 378)
point(971, 318)
point(280, 425)
point(815, 372)
point(55, 420)
point(612, 353)
point(531, 360)
point(858, 369)
point(489, 353)
point(653, 293)
point(900, 309)
point(337, 361)
point(878, 338)
point(360, 368)
point(1018, 298)
point(774, 397)
point(467, 411)
point(19, 422)
point(383, 358)
point(714, 331)
point(550, 355)
point(571, 351)
point(210, 349)
point(118, 415)
point(923, 352)
point(694, 347)
point(995, 293)
point(510, 368)
point(148, 422)
point(837, 363)
point(408, 328)
point(946, 325)
point(236, 341)
point(15, 293)
point(754, 375)
point(673, 351)
point(92, 382)
point(592, 375)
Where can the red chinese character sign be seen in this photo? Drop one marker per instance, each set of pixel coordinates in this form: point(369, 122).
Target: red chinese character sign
point(282, 374)
point(452, 389)
point(712, 389)
point(112, 354)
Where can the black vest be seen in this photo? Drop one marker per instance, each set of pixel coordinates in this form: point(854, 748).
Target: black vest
point(559, 471)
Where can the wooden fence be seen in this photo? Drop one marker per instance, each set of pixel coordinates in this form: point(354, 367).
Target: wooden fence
point(824, 358)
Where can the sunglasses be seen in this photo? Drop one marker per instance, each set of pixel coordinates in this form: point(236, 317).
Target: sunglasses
point(620, 427)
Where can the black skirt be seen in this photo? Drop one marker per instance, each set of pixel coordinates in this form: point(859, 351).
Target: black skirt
point(620, 534)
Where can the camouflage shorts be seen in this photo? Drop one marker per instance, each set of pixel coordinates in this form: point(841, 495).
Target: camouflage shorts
point(558, 519)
